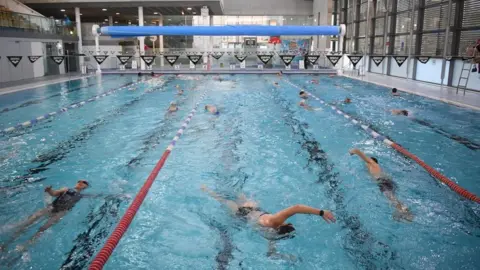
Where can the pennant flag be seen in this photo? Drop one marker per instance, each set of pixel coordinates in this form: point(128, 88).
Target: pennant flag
point(123, 58)
point(400, 60)
point(100, 58)
point(15, 60)
point(105, 52)
point(217, 55)
point(171, 59)
point(423, 59)
point(312, 59)
point(58, 59)
point(265, 58)
point(287, 59)
point(333, 59)
point(195, 58)
point(112, 52)
point(354, 59)
point(377, 60)
point(240, 57)
point(91, 52)
point(229, 53)
point(33, 59)
point(148, 59)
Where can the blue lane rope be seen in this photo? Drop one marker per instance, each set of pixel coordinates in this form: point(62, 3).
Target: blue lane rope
point(34, 121)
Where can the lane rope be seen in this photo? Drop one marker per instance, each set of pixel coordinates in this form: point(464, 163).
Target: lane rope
point(104, 254)
point(34, 121)
point(377, 136)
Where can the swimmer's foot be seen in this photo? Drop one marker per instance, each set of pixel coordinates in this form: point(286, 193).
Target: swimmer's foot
point(403, 214)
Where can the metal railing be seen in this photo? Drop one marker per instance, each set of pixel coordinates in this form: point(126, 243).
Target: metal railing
point(14, 21)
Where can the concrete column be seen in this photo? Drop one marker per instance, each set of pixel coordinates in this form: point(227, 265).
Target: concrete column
point(79, 34)
point(160, 41)
point(141, 39)
point(110, 21)
point(322, 13)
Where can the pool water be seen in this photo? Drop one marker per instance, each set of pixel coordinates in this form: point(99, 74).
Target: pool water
point(262, 144)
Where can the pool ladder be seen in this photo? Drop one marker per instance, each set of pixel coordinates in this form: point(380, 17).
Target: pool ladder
point(468, 63)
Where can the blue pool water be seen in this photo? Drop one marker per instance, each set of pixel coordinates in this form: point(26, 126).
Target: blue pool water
point(262, 144)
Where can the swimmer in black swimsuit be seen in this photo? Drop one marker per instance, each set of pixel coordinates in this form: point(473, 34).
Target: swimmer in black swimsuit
point(385, 184)
point(273, 226)
point(65, 200)
point(212, 109)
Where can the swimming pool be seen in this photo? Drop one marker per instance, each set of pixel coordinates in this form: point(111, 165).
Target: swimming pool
point(262, 144)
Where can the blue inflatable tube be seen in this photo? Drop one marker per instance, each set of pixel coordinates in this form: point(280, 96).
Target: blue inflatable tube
point(231, 30)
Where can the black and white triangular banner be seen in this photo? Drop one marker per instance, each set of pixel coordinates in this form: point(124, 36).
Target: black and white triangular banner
point(229, 53)
point(195, 58)
point(423, 59)
point(15, 60)
point(105, 52)
point(217, 55)
point(123, 58)
point(333, 59)
point(240, 57)
point(112, 52)
point(312, 59)
point(34, 58)
point(148, 59)
point(171, 59)
point(58, 59)
point(91, 52)
point(377, 60)
point(265, 58)
point(354, 59)
point(100, 58)
point(400, 60)
point(287, 59)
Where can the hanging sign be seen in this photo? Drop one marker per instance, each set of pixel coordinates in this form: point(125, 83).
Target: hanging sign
point(100, 58)
point(33, 58)
point(15, 60)
point(123, 58)
point(58, 59)
point(265, 58)
point(217, 55)
point(229, 53)
point(287, 59)
point(334, 59)
point(105, 52)
point(171, 59)
point(195, 58)
point(400, 60)
point(91, 52)
point(423, 59)
point(355, 59)
point(240, 57)
point(148, 59)
point(377, 60)
point(312, 59)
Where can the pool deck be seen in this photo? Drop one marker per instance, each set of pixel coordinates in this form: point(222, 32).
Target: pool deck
point(15, 86)
point(447, 94)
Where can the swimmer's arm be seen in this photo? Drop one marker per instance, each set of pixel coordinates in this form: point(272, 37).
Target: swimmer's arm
point(280, 217)
point(361, 155)
point(55, 193)
point(272, 253)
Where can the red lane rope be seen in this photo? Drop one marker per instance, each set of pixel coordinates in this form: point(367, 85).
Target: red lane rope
point(442, 178)
point(102, 256)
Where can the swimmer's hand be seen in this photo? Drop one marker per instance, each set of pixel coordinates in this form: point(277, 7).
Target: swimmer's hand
point(353, 151)
point(328, 216)
point(48, 189)
point(204, 188)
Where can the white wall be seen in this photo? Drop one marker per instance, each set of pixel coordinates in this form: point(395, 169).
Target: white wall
point(38, 66)
point(267, 7)
point(381, 69)
point(473, 80)
point(16, 6)
point(401, 71)
point(432, 71)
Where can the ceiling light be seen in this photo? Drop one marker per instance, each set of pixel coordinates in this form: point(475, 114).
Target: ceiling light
point(169, 19)
point(189, 8)
point(62, 10)
point(116, 22)
point(183, 13)
point(155, 13)
point(194, 12)
point(104, 9)
point(117, 13)
point(106, 20)
point(81, 14)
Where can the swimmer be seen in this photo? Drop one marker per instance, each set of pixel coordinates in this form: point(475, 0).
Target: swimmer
point(179, 92)
point(212, 109)
point(272, 226)
point(152, 74)
point(173, 107)
point(177, 86)
point(314, 81)
point(280, 74)
point(386, 185)
point(303, 94)
point(400, 112)
point(394, 92)
point(65, 200)
point(347, 101)
point(275, 83)
point(303, 104)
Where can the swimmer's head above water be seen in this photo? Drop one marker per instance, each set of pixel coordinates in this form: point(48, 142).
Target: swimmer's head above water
point(82, 184)
point(374, 159)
